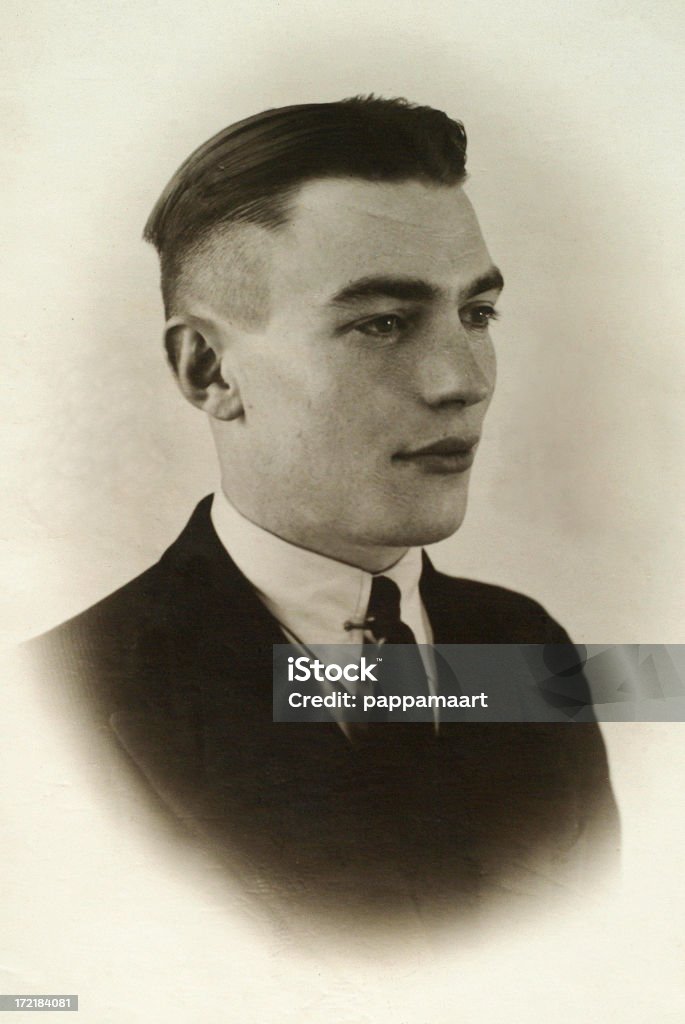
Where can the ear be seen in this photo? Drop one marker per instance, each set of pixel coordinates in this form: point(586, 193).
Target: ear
point(194, 350)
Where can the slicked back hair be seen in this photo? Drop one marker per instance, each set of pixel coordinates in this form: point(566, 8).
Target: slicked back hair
point(249, 172)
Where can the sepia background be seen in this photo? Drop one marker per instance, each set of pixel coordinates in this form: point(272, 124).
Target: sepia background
point(574, 117)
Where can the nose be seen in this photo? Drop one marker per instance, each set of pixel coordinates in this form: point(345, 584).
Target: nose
point(456, 366)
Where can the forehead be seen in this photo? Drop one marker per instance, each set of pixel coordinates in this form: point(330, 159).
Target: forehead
point(341, 229)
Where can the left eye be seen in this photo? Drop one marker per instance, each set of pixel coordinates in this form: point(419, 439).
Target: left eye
point(479, 317)
point(382, 326)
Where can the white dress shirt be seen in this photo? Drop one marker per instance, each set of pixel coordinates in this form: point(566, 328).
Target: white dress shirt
point(312, 596)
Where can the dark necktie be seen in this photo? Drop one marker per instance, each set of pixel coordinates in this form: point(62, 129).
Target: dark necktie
point(384, 626)
point(383, 615)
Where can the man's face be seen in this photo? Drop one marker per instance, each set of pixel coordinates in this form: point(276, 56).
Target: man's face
point(364, 396)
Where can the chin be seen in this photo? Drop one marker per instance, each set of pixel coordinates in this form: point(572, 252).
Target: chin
point(431, 535)
point(425, 529)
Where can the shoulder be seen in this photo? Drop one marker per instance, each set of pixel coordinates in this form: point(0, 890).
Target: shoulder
point(192, 606)
point(98, 645)
point(469, 611)
point(157, 606)
point(154, 593)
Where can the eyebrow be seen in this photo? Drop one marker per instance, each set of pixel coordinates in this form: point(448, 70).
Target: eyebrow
point(412, 289)
point(490, 281)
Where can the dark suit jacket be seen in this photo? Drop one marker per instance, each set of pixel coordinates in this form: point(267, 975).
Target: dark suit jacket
point(177, 666)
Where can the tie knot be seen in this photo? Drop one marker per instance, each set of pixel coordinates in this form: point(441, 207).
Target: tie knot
point(383, 613)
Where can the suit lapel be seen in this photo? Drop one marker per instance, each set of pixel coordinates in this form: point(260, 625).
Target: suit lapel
point(439, 604)
point(216, 720)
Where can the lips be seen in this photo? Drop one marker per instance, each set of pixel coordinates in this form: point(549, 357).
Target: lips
point(448, 446)
point(449, 455)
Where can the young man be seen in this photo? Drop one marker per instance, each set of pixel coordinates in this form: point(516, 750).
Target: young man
point(328, 295)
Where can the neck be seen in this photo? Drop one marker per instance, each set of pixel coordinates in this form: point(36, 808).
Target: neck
point(371, 558)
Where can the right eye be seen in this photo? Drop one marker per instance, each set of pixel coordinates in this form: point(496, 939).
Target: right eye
point(479, 316)
point(386, 326)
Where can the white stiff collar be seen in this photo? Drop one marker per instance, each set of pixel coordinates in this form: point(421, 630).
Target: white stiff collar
point(313, 596)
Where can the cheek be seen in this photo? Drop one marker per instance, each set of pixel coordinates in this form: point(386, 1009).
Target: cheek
point(270, 379)
point(313, 393)
point(486, 359)
point(289, 409)
point(491, 365)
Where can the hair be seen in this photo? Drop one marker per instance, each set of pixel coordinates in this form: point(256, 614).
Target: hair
point(248, 173)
